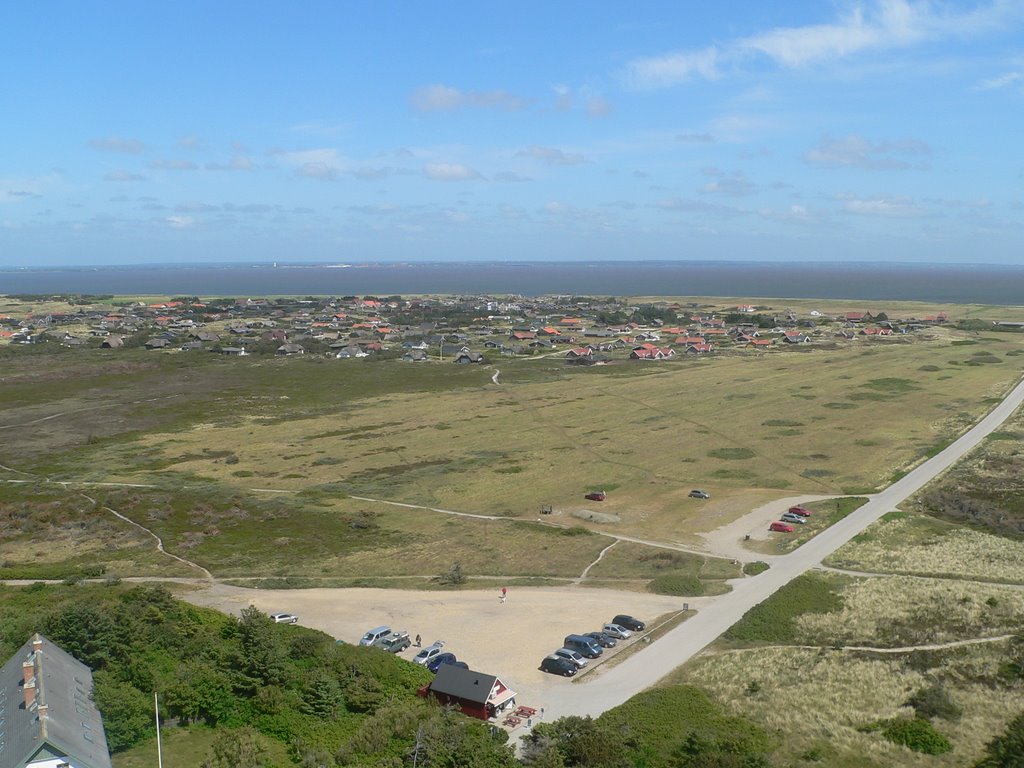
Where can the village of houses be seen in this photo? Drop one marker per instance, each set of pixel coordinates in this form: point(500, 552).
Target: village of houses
point(461, 330)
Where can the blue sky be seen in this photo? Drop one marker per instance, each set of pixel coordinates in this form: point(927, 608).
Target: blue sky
point(349, 132)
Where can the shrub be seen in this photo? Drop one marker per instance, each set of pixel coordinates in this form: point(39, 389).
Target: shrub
point(679, 584)
point(916, 734)
point(752, 569)
point(774, 619)
point(731, 454)
point(934, 701)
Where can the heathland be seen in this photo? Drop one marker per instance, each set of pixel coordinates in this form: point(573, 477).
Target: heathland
point(309, 470)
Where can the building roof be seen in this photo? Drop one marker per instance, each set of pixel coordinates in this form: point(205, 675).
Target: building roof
point(463, 683)
point(46, 709)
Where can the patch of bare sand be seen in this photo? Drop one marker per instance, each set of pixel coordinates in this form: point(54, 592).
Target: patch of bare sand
point(727, 540)
point(506, 639)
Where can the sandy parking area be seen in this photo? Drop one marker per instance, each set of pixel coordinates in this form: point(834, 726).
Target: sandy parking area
point(508, 640)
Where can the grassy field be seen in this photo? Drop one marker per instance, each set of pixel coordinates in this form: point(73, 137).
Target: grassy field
point(748, 428)
point(920, 545)
point(815, 697)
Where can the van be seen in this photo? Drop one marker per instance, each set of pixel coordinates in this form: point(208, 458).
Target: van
point(583, 645)
point(395, 642)
point(374, 636)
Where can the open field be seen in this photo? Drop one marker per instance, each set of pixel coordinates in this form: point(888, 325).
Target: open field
point(814, 694)
point(918, 545)
point(748, 428)
point(815, 700)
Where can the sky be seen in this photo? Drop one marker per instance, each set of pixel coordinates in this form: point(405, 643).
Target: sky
point(348, 132)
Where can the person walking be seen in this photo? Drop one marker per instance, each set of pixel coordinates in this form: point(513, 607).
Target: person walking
point(504, 594)
point(418, 642)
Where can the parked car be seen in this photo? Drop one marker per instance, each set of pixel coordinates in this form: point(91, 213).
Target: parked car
point(697, 493)
point(596, 496)
point(799, 510)
point(284, 618)
point(614, 630)
point(570, 655)
point(790, 517)
point(603, 639)
point(634, 625)
point(442, 658)
point(556, 665)
point(584, 645)
point(375, 635)
point(395, 642)
point(428, 653)
point(781, 527)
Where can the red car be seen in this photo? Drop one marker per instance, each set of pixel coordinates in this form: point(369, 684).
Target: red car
point(780, 526)
point(596, 496)
point(802, 511)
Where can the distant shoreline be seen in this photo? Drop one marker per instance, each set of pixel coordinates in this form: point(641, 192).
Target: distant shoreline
point(865, 281)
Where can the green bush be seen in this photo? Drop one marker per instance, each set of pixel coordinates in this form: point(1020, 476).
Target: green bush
point(752, 569)
point(679, 584)
point(916, 734)
point(774, 619)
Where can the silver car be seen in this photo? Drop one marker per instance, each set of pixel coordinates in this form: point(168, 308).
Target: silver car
point(614, 630)
point(571, 655)
point(789, 517)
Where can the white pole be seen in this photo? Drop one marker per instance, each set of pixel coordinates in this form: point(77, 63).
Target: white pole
point(156, 715)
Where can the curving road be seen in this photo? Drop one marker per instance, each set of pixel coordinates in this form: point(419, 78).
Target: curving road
point(603, 691)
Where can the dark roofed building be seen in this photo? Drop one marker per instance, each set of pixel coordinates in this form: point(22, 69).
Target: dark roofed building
point(474, 693)
point(47, 716)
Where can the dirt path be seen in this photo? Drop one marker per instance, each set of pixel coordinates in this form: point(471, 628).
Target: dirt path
point(494, 378)
point(159, 541)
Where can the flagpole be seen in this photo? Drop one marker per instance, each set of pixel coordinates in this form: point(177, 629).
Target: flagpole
point(156, 715)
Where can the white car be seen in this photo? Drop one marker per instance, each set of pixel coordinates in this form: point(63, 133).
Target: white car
point(571, 655)
point(614, 630)
point(429, 653)
point(284, 618)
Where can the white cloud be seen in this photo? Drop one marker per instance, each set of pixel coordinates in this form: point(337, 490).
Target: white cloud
point(324, 163)
point(695, 138)
point(510, 177)
point(551, 155)
point(673, 68)
point(868, 26)
point(1003, 81)
point(857, 152)
point(118, 144)
point(444, 98)
point(174, 165)
point(191, 142)
point(237, 163)
point(449, 172)
point(598, 106)
point(680, 205)
point(563, 98)
point(194, 206)
point(732, 185)
point(124, 176)
point(888, 207)
point(179, 222)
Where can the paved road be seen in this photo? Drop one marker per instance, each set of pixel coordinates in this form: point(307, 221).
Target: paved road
point(645, 668)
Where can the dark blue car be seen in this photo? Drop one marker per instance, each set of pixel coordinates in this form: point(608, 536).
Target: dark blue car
point(442, 658)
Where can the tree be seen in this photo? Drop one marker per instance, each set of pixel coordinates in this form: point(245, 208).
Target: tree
point(580, 741)
point(127, 712)
point(1006, 751)
point(263, 659)
point(322, 695)
point(88, 633)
